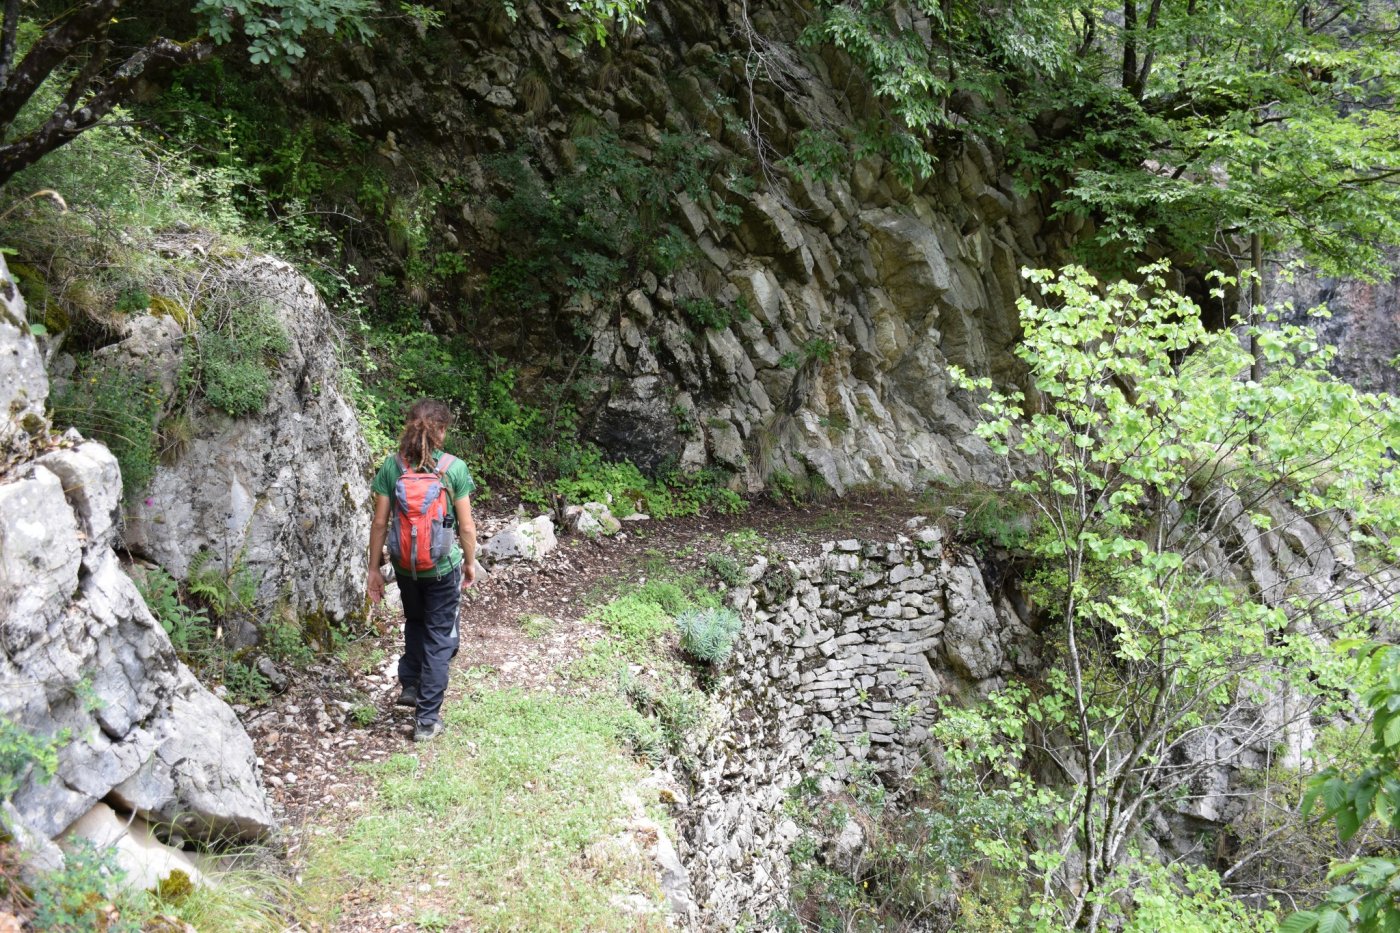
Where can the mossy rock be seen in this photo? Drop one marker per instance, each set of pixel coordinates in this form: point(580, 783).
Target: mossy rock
point(163, 306)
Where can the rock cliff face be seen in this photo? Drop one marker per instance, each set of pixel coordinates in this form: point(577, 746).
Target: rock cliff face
point(282, 493)
point(83, 664)
point(1364, 325)
point(853, 293)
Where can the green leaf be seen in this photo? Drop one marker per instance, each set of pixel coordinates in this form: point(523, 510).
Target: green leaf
point(1301, 922)
point(1330, 921)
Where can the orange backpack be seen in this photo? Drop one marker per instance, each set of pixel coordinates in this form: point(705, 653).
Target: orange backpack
point(422, 528)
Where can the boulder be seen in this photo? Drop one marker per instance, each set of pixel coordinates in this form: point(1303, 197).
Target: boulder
point(144, 859)
point(88, 671)
point(284, 492)
point(203, 778)
point(520, 540)
point(592, 519)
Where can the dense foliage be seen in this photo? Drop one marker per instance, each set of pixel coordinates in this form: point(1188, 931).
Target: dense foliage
point(1153, 463)
point(1369, 897)
point(1170, 125)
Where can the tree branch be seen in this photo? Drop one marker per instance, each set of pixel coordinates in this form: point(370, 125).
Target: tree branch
point(53, 48)
point(158, 56)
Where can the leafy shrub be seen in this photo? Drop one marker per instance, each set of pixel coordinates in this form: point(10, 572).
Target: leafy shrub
point(729, 571)
point(22, 752)
point(673, 709)
point(636, 618)
point(286, 642)
point(816, 349)
point(643, 737)
point(795, 488)
point(708, 314)
point(80, 895)
point(1186, 898)
point(246, 684)
point(232, 356)
point(185, 625)
point(588, 477)
point(594, 230)
point(118, 407)
point(225, 592)
point(707, 635)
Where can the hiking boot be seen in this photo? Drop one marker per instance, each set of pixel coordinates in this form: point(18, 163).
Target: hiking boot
point(409, 696)
point(427, 731)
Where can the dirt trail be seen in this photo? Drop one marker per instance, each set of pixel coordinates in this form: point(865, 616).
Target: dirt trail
point(339, 713)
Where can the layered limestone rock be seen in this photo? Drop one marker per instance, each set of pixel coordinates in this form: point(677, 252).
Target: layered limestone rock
point(23, 385)
point(850, 295)
point(85, 666)
point(282, 493)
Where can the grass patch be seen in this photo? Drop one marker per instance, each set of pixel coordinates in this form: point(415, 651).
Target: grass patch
point(536, 626)
point(495, 819)
point(639, 624)
point(981, 517)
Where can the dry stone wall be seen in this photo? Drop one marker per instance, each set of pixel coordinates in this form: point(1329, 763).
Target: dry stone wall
point(843, 657)
point(848, 652)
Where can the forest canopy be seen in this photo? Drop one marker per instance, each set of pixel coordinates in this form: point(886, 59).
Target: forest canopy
point(1181, 125)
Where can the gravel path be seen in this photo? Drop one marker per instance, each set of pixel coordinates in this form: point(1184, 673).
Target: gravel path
point(339, 713)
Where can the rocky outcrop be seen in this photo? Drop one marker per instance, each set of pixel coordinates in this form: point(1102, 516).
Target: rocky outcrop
point(848, 295)
point(1364, 324)
point(86, 668)
point(282, 493)
point(23, 385)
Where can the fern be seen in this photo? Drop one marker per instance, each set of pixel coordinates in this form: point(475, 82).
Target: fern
point(224, 592)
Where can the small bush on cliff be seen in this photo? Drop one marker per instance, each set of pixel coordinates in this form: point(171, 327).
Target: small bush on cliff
point(118, 407)
point(707, 635)
point(237, 344)
point(23, 754)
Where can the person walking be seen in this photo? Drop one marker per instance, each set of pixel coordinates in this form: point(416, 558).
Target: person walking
point(421, 496)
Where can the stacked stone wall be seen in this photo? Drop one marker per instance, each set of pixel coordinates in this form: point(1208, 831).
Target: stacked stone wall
point(848, 652)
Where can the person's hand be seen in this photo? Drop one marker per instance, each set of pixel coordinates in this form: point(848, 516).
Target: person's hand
point(468, 573)
point(376, 585)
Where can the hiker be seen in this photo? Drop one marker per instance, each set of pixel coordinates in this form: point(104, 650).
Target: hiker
point(421, 496)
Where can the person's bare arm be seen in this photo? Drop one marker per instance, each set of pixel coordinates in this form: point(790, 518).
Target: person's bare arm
point(466, 535)
point(377, 532)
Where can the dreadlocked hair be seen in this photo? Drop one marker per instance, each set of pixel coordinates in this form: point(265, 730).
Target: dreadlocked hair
point(423, 432)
